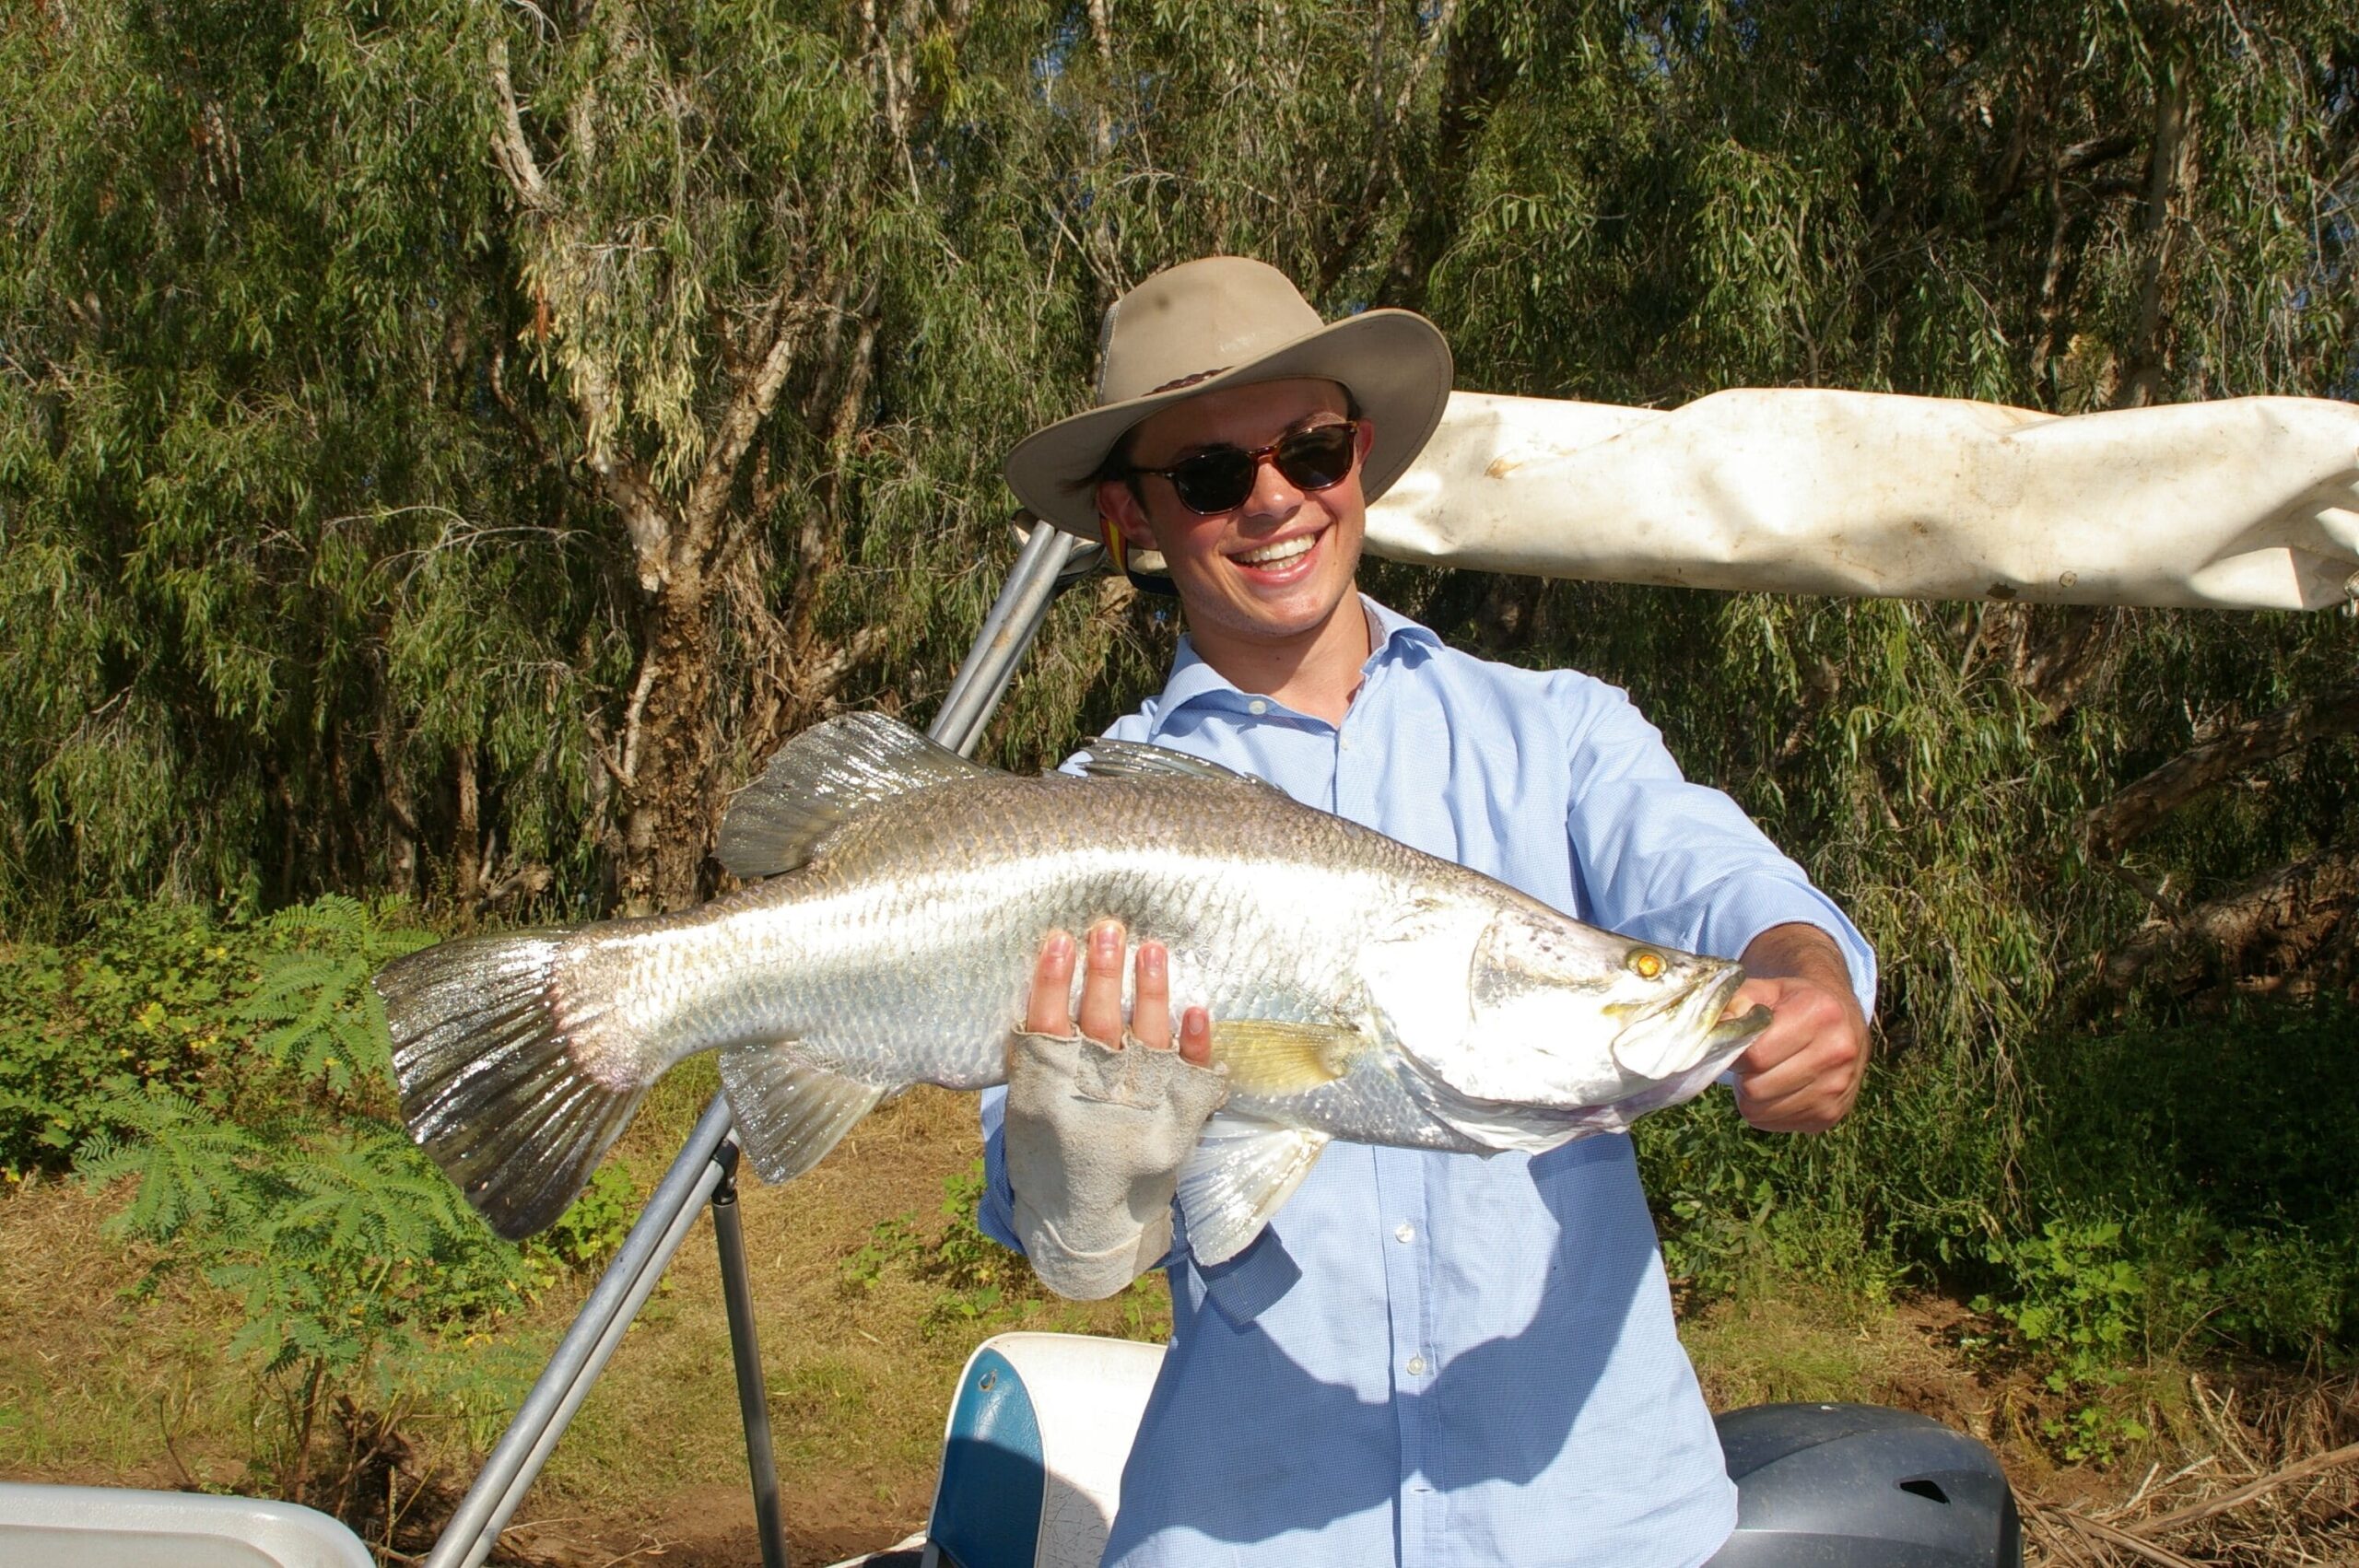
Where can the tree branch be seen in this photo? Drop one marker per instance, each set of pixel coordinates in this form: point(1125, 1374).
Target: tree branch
point(2294, 909)
point(508, 147)
point(2135, 811)
point(755, 395)
point(2347, 1453)
point(2164, 174)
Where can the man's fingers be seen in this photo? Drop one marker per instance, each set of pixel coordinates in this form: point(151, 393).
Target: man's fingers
point(1804, 1071)
point(1101, 984)
point(1151, 997)
point(1196, 1037)
point(1050, 1009)
point(1796, 1074)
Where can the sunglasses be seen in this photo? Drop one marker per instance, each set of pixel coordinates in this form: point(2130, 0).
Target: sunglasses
point(1219, 478)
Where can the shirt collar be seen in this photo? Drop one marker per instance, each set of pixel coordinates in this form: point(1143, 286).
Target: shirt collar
point(1390, 634)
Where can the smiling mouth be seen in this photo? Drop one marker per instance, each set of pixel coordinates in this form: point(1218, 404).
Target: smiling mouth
point(1278, 554)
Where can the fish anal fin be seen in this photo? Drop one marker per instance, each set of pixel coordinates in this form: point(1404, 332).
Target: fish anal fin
point(820, 780)
point(1268, 1057)
point(790, 1114)
point(1241, 1172)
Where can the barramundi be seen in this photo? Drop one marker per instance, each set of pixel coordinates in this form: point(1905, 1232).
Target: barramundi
point(1359, 988)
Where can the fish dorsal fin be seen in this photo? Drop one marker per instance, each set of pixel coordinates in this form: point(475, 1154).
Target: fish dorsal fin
point(820, 780)
point(789, 1114)
point(1241, 1172)
point(1264, 1057)
point(1102, 759)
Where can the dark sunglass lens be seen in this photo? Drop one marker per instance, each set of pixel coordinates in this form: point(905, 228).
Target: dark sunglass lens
point(1214, 481)
point(1313, 459)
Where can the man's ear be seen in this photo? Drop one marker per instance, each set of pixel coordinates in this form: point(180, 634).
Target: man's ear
point(1119, 504)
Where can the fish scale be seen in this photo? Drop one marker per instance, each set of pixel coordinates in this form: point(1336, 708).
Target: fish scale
point(1359, 988)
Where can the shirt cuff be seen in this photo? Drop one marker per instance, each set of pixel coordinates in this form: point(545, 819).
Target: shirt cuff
point(1741, 910)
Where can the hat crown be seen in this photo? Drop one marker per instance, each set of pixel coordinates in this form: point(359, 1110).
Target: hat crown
point(1192, 321)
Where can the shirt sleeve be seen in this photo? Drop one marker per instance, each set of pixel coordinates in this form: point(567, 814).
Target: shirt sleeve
point(995, 1213)
point(1675, 862)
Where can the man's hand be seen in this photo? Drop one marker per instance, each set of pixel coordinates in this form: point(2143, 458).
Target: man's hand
point(1802, 1072)
point(1096, 1132)
point(1048, 1011)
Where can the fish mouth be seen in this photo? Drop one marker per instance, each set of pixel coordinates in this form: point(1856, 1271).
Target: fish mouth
point(1680, 1035)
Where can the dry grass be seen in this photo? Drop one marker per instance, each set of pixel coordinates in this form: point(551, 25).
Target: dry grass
point(2263, 1470)
point(93, 1384)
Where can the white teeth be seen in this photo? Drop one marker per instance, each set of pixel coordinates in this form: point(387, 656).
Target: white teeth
point(1270, 555)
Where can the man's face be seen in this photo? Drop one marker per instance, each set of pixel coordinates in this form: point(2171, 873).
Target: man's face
point(1272, 569)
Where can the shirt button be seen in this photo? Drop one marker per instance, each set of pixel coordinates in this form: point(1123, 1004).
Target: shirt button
point(1405, 1232)
point(1257, 706)
point(1416, 1366)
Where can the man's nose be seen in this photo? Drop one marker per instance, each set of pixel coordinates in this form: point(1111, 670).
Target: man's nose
point(1273, 494)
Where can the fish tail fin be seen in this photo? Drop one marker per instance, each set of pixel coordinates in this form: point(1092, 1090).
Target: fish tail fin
point(788, 1113)
point(489, 1087)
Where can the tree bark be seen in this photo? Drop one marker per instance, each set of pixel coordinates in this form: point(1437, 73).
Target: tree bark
point(666, 818)
point(467, 841)
point(2271, 927)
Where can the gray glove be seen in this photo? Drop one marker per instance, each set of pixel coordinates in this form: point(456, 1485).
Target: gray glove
point(1094, 1141)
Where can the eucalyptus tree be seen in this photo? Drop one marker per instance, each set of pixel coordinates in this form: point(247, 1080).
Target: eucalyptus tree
point(447, 445)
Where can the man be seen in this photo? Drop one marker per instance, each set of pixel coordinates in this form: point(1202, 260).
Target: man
point(1428, 1358)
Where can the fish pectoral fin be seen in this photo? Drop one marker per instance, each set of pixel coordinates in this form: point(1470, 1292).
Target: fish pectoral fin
point(1241, 1172)
point(1103, 759)
point(789, 1114)
point(822, 778)
point(1264, 1056)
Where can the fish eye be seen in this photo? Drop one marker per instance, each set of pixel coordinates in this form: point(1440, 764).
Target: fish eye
point(1646, 962)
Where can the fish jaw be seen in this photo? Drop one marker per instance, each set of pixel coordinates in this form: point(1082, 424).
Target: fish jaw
point(1670, 1040)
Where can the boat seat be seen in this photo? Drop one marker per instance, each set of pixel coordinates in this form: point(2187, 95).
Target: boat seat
point(1032, 1456)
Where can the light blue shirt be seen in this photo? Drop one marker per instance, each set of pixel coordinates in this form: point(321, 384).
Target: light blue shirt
point(1447, 1358)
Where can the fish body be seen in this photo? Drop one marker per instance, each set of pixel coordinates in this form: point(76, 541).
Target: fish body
point(1361, 989)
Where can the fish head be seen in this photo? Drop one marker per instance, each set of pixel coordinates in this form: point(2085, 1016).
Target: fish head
point(1563, 1017)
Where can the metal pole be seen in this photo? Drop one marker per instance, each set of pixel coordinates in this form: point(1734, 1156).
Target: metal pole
point(753, 1398)
point(491, 1502)
point(1007, 631)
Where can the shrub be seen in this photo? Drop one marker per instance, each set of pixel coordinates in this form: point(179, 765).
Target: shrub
point(144, 998)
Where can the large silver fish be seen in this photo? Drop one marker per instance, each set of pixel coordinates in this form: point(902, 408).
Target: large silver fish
point(1360, 989)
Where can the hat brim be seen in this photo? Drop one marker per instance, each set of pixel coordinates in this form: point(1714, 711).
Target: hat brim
point(1394, 363)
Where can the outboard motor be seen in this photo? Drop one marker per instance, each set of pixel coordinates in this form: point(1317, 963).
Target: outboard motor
point(1859, 1486)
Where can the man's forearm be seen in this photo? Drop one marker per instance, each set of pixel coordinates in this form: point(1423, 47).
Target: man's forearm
point(1796, 950)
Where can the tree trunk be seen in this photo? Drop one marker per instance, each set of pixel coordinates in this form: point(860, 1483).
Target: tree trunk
point(667, 822)
point(467, 843)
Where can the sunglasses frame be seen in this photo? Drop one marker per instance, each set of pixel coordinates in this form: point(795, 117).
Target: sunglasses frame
point(1256, 456)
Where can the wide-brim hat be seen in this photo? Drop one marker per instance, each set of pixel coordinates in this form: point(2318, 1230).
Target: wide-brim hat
point(1229, 321)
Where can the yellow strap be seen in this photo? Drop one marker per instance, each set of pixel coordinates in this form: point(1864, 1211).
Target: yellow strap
point(1111, 532)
